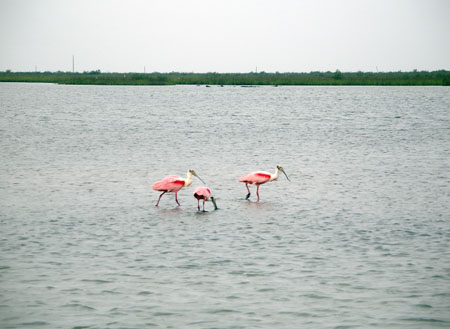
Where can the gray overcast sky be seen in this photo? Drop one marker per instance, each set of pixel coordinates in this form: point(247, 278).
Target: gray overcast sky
point(224, 35)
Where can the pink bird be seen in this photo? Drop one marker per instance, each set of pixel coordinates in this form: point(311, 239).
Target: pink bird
point(172, 184)
point(204, 193)
point(259, 178)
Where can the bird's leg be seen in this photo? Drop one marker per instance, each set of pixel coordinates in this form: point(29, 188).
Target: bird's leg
point(257, 191)
point(198, 204)
point(248, 195)
point(203, 205)
point(157, 203)
point(176, 199)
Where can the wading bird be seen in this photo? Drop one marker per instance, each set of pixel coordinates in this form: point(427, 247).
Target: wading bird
point(172, 184)
point(260, 177)
point(204, 193)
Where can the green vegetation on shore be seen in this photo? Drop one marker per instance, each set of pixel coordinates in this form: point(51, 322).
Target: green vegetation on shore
point(414, 78)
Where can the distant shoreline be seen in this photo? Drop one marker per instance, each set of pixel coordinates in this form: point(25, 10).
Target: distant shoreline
point(337, 78)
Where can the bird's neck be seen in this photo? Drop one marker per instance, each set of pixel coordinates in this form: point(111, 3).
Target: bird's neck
point(275, 175)
point(188, 180)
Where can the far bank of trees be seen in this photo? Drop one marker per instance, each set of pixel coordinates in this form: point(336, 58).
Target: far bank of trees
point(96, 77)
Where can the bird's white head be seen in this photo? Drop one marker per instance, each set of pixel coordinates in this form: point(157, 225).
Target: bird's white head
point(193, 173)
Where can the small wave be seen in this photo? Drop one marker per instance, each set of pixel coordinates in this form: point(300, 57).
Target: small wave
point(96, 281)
point(315, 296)
point(200, 322)
point(442, 294)
point(298, 314)
point(424, 305)
point(425, 320)
point(110, 292)
point(34, 323)
point(72, 290)
point(219, 262)
point(164, 314)
point(79, 306)
point(221, 310)
point(438, 276)
point(188, 266)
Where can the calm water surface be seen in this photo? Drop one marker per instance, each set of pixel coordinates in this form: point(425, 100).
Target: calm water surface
point(360, 237)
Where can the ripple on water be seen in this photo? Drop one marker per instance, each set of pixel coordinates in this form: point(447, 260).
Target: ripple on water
point(34, 324)
point(426, 320)
point(79, 306)
point(221, 311)
point(96, 281)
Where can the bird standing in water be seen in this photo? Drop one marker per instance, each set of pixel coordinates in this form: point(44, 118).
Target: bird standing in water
point(172, 184)
point(259, 178)
point(204, 193)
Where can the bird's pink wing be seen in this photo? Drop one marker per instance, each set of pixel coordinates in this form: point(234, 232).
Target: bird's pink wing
point(202, 191)
point(257, 177)
point(170, 183)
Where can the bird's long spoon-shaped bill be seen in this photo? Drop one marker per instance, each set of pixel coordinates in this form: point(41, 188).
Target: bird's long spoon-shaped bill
point(199, 178)
point(285, 175)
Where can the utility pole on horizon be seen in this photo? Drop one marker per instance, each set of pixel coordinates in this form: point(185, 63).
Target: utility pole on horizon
point(73, 64)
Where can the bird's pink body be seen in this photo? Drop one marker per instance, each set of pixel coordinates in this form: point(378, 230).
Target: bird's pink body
point(204, 193)
point(170, 183)
point(259, 178)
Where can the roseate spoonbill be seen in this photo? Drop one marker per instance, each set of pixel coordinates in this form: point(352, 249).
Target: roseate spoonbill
point(173, 184)
point(259, 178)
point(204, 193)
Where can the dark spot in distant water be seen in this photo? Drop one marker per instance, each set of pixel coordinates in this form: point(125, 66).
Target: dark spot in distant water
point(221, 310)
point(164, 314)
point(423, 305)
point(96, 281)
point(432, 320)
point(34, 323)
point(79, 306)
point(298, 314)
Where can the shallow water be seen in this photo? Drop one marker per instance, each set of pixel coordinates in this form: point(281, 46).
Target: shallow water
point(360, 236)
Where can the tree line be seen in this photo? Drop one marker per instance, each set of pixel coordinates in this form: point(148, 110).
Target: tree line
point(413, 78)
